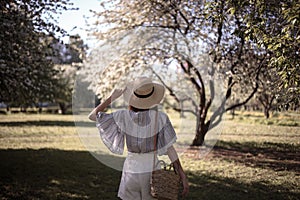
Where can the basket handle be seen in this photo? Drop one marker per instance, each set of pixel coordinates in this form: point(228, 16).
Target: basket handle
point(155, 142)
point(163, 163)
point(155, 149)
point(171, 166)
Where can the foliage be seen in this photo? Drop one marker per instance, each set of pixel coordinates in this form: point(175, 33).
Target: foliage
point(268, 90)
point(274, 27)
point(208, 48)
point(26, 71)
point(74, 51)
point(68, 62)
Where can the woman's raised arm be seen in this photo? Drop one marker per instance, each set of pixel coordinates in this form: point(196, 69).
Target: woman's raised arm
point(101, 107)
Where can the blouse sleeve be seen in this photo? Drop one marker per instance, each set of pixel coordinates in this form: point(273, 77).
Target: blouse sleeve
point(110, 132)
point(166, 137)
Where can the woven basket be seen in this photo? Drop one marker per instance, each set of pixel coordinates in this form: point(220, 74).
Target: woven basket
point(165, 183)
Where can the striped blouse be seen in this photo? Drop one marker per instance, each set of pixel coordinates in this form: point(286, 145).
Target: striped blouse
point(138, 129)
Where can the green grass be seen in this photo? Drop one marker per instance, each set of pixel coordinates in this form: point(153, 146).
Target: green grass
point(42, 157)
point(276, 118)
point(55, 174)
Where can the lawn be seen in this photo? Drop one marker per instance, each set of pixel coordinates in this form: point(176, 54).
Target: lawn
point(43, 157)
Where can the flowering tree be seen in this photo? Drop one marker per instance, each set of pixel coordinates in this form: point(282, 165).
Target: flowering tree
point(200, 51)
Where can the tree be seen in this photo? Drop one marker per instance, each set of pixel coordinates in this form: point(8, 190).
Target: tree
point(268, 90)
point(27, 74)
point(208, 42)
point(67, 59)
point(274, 27)
point(75, 53)
point(77, 49)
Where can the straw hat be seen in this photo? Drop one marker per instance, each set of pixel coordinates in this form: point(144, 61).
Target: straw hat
point(143, 93)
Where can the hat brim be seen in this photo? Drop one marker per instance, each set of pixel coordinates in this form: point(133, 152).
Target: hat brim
point(145, 103)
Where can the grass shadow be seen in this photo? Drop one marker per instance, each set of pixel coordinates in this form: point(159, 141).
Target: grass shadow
point(55, 174)
point(207, 187)
point(276, 156)
point(59, 174)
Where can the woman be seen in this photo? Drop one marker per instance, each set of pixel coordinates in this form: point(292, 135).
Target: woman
point(140, 126)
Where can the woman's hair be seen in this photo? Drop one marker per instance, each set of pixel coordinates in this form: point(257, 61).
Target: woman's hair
point(134, 109)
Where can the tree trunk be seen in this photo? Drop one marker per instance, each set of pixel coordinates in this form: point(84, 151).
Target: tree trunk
point(63, 107)
point(267, 112)
point(202, 129)
point(232, 113)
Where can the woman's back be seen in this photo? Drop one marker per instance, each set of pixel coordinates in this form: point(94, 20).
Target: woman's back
point(138, 129)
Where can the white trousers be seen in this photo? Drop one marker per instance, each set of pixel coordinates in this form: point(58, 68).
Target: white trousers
point(136, 175)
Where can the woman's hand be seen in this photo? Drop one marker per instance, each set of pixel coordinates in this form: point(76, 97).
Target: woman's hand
point(185, 185)
point(177, 165)
point(116, 93)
